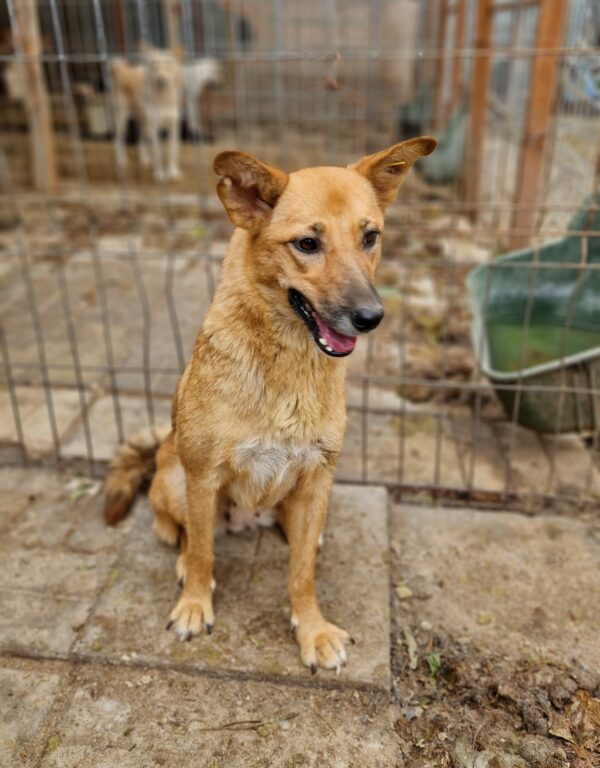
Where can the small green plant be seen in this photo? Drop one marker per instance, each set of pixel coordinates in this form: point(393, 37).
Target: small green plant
point(434, 661)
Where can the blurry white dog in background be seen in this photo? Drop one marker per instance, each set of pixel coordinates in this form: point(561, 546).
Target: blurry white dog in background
point(197, 76)
point(15, 81)
point(150, 92)
point(155, 92)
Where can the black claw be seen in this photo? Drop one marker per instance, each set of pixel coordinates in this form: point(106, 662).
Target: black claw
point(209, 629)
point(188, 637)
point(180, 581)
point(353, 641)
point(170, 624)
point(313, 669)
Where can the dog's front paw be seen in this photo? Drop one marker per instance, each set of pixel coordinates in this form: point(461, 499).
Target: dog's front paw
point(321, 644)
point(191, 614)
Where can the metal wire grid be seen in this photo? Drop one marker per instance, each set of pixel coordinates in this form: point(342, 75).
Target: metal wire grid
point(260, 110)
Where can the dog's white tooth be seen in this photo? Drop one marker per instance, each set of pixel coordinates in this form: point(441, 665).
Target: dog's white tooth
point(322, 341)
point(329, 349)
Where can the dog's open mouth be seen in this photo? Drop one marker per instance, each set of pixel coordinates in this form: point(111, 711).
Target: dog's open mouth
point(326, 338)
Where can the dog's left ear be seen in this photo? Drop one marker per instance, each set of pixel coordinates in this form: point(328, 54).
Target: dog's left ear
point(387, 170)
point(248, 188)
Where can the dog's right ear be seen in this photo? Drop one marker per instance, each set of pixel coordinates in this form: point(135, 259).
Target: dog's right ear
point(248, 188)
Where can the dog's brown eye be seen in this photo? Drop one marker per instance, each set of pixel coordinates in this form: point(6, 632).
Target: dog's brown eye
point(308, 245)
point(370, 238)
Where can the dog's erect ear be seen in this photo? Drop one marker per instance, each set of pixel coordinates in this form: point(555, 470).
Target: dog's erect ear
point(248, 188)
point(387, 170)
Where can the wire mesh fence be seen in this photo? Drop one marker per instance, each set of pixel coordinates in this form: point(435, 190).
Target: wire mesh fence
point(481, 384)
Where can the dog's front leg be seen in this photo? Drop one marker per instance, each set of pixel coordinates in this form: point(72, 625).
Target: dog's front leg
point(121, 121)
point(194, 608)
point(144, 146)
point(173, 167)
point(154, 129)
point(303, 516)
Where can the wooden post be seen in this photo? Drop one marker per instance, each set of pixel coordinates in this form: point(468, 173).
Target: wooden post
point(440, 64)
point(28, 43)
point(542, 89)
point(429, 65)
point(171, 12)
point(480, 82)
point(119, 26)
point(459, 39)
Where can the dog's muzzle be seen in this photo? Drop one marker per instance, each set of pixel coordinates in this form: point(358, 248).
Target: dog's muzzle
point(329, 339)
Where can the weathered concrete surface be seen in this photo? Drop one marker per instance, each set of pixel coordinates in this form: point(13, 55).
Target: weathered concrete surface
point(56, 554)
point(134, 413)
point(33, 411)
point(69, 584)
point(252, 633)
point(101, 717)
point(524, 587)
point(28, 692)
point(74, 590)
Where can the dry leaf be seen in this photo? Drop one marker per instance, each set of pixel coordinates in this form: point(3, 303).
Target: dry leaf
point(403, 592)
point(411, 647)
point(560, 727)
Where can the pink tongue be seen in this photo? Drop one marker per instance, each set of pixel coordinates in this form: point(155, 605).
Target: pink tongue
point(337, 341)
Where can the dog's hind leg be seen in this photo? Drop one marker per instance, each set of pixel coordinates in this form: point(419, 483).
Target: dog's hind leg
point(154, 130)
point(167, 494)
point(173, 170)
point(144, 146)
point(121, 121)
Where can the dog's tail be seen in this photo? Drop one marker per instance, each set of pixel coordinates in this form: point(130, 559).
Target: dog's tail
point(134, 462)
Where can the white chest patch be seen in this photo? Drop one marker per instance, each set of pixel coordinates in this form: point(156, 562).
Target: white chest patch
point(268, 471)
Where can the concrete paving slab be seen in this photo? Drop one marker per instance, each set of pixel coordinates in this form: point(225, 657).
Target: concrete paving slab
point(55, 558)
point(515, 585)
point(35, 419)
point(252, 634)
point(46, 509)
point(27, 695)
point(34, 623)
point(149, 718)
point(103, 425)
point(125, 293)
point(574, 467)
point(181, 320)
point(523, 453)
point(65, 573)
point(478, 452)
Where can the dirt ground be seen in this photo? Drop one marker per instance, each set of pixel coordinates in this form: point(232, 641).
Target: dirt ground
point(497, 656)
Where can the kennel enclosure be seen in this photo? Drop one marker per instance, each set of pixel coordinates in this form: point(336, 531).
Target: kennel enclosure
point(106, 274)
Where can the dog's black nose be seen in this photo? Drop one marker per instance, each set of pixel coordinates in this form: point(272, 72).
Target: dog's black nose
point(366, 319)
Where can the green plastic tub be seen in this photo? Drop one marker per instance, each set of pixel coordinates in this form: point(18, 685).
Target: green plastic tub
point(536, 329)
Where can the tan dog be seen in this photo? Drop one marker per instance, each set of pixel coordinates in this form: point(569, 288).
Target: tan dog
point(150, 92)
point(259, 414)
